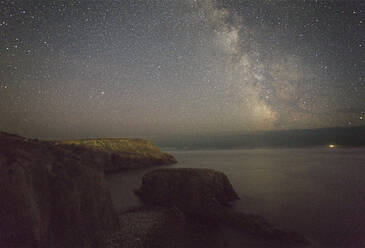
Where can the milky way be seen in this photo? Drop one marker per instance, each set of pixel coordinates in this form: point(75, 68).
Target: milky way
point(71, 69)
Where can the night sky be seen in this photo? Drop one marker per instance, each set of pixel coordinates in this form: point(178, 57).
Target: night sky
point(108, 68)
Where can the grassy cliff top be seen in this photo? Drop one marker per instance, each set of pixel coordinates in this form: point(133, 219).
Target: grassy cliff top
point(120, 146)
point(113, 154)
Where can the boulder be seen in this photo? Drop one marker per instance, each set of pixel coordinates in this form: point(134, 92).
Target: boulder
point(52, 195)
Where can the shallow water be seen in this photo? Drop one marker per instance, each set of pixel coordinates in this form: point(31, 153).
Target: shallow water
point(317, 192)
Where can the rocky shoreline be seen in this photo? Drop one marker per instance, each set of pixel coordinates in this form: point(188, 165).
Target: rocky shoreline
point(54, 195)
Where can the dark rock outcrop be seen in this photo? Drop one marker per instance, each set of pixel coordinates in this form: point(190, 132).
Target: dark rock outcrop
point(125, 153)
point(205, 194)
point(52, 195)
point(191, 190)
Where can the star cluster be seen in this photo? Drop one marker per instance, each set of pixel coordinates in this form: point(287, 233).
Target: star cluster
point(71, 69)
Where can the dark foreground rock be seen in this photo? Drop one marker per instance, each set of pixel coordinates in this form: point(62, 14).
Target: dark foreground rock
point(191, 190)
point(205, 195)
point(156, 227)
point(52, 195)
point(125, 153)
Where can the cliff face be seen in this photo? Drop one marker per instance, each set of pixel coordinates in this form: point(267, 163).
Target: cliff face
point(52, 195)
point(125, 153)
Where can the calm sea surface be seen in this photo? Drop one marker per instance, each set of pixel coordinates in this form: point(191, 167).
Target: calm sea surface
point(317, 192)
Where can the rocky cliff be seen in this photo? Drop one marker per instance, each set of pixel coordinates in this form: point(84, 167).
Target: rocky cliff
point(52, 195)
point(125, 153)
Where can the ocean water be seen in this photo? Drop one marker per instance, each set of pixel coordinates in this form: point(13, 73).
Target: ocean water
point(317, 192)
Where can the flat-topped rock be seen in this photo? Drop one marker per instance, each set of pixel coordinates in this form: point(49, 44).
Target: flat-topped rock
point(191, 190)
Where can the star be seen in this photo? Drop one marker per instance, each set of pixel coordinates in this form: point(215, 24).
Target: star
point(191, 66)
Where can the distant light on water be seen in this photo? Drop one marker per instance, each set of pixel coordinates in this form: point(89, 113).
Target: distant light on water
point(331, 146)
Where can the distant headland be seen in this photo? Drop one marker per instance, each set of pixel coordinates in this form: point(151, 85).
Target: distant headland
point(323, 137)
